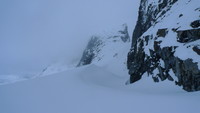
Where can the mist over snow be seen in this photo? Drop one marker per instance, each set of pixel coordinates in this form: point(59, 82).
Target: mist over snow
point(34, 33)
point(79, 56)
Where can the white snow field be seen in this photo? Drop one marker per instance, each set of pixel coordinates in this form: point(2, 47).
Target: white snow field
point(93, 89)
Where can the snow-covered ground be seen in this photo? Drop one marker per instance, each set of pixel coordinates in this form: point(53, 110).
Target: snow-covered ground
point(96, 88)
point(93, 89)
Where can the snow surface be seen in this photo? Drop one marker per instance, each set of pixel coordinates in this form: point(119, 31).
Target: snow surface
point(93, 89)
point(96, 88)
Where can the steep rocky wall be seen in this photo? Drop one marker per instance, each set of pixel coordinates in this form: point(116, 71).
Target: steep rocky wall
point(166, 42)
point(149, 12)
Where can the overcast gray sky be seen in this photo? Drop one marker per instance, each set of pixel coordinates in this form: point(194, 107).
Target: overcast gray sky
point(33, 33)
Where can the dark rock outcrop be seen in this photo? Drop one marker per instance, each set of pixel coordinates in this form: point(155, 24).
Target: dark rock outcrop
point(196, 49)
point(159, 53)
point(91, 50)
point(124, 35)
point(190, 35)
point(195, 24)
point(162, 32)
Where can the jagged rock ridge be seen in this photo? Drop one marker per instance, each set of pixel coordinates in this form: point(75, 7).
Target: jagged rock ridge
point(166, 42)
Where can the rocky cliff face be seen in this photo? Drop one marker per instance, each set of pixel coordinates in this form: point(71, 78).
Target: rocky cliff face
point(166, 43)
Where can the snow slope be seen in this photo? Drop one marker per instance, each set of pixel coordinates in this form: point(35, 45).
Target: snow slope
point(92, 89)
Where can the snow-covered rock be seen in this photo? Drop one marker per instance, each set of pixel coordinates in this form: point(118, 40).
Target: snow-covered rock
point(166, 42)
point(108, 50)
